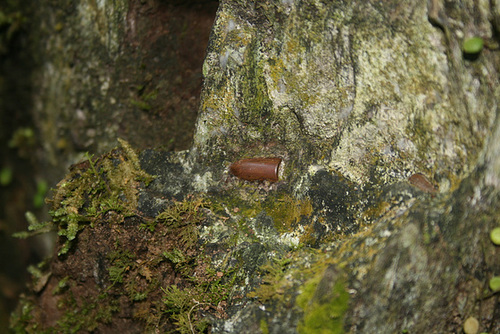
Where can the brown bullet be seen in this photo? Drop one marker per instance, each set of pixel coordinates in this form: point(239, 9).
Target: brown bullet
point(256, 169)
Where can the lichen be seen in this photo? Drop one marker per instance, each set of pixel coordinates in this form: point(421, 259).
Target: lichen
point(287, 211)
point(264, 328)
point(310, 280)
point(367, 112)
point(273, 280)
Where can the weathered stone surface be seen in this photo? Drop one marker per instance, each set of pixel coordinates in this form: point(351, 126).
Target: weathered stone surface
point(355, 97)
point(371, 88)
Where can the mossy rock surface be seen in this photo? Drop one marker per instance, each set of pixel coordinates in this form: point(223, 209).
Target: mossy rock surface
point(358, 100)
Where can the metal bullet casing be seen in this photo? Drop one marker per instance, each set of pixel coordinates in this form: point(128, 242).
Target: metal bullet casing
point(256, 169)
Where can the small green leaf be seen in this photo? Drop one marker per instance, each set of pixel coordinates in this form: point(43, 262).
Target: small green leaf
point(5, 176)
point(495, 283)
point(473, 45)
point(140, 104)
point(495, 236)
point(65, 248)
point(41, 187)
point(38, 200)
point(22, 235)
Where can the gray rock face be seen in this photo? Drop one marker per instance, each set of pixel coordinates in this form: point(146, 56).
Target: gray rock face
point(355, 98)
point(371, 91)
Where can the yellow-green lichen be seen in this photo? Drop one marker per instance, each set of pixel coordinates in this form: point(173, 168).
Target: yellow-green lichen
point(309, 236)
point(322, 295)
point(274, 218)
point(256, 105)
point(286, 211)
point(273, 280)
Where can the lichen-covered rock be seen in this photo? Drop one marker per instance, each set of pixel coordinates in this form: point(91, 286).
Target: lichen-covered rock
point(358, 88)
point(355, 98)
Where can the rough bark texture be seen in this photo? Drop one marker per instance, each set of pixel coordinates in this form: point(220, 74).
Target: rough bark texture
point(389, 186)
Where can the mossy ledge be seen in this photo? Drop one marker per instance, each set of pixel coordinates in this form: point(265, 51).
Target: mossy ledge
point(140, 249)
point(116, 262)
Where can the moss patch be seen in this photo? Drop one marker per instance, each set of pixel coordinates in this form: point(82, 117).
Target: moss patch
point(152, 273)
point(174, 282)
point(118, 268)
point(94, 188)
point(324, 300)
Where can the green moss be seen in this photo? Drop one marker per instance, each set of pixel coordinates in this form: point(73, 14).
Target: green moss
point(322, 297)
point(78, 315)
point(5, 176)
point(134, 276)
point(323, 310)
point(95, 187)
point(140, 104)
point(184, 216)
point(181, 304)
point(21, 318)
point(84, 315)
point(121, 263)
point(273, 279)
point(264, 328)
point(62, 285)
point(309, 236)
point(286, 213)
point(204, 290)
point(174, 250)
point(34, 227)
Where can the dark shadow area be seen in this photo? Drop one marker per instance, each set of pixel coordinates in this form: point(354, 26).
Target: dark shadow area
point(17, 172)
point(164, 48)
